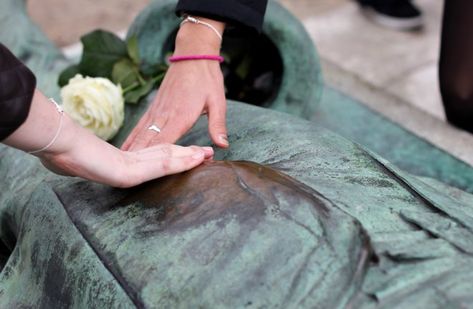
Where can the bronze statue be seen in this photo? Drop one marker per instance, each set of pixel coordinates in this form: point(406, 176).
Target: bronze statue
point(317, 222)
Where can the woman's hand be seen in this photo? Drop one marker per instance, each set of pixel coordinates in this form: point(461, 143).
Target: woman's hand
point(78, 152)
point(122, 169)
point(189, 89)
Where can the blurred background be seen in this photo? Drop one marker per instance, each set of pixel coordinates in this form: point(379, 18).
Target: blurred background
point(402, 63)
point(392, 72)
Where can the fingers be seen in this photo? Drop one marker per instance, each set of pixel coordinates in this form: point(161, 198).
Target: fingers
point(175, 127)
point(172, 125)
point(145, 136)
point(188, 90)
point(160, 161)
point(169, 150)
point(140, 126)
point(217, 123)
point(209, 153)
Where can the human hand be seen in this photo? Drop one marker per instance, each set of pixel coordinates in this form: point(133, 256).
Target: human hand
point(122, 169)
point(76, 151)
point(189, 89)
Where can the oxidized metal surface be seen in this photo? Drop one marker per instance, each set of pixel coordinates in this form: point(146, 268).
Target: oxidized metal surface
point(207, 237)
point(340, 228)
point(231, 234)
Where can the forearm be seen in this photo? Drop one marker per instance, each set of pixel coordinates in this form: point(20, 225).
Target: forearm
point(43, 123)
point(72, 146)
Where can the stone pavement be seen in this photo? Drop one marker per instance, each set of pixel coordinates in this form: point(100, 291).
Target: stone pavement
point(65, 21)
point(394, 73)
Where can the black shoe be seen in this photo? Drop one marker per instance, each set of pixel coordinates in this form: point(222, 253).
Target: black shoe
point(394, 14)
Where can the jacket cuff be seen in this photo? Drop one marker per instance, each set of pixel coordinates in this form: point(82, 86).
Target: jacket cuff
point(17, 86)
point(234, 12)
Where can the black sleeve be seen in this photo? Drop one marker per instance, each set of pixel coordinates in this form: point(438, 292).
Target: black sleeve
point(17, 85)
point(247, 13)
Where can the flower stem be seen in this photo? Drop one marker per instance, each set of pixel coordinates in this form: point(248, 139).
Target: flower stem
point(131, 87)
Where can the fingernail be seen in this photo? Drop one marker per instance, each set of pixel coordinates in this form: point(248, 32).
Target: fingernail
point(198, 155)
point(208, 149)
point(223, 138)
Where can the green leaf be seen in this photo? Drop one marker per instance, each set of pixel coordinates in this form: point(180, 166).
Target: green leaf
point(126, 74)
point(158, 78)
point(244, 67)
point(154, 69)
point(67, 74)
point(101, 50)
point(133, 49)
point(133, 96)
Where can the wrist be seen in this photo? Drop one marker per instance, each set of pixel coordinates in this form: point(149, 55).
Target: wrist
point(67, 139)
point(197, 39)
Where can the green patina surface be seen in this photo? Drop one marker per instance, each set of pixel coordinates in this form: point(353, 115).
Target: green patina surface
point(351, 119)
point(345, 228)
point(229, 235)
point(45, 261)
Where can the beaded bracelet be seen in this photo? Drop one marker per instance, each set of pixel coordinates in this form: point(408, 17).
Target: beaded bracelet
point(196, 57)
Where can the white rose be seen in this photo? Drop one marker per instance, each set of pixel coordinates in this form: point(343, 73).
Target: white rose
point(95, 103)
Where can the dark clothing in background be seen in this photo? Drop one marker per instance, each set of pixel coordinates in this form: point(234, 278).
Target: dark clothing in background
point(17, 84)
point(456, 63)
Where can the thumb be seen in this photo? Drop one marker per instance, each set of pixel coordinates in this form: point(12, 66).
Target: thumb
point(217, 123)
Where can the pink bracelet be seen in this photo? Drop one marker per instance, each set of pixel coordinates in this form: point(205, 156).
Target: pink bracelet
point(196, 57)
